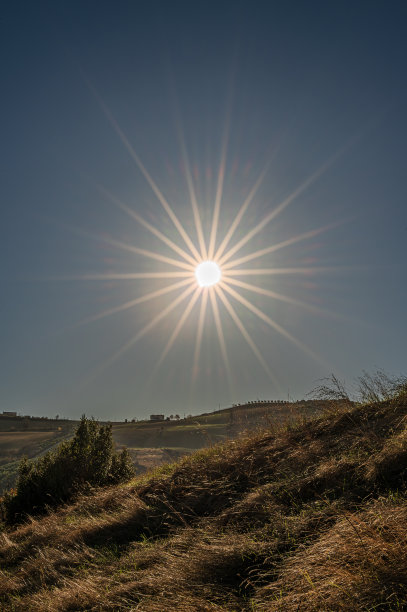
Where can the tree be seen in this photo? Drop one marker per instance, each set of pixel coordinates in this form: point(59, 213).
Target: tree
point(85, 461)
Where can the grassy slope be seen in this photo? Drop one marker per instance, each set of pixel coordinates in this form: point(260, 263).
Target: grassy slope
point(150, 443)
point(206, 429)
point(154, 443)
point(33, 437)
point(312, 517)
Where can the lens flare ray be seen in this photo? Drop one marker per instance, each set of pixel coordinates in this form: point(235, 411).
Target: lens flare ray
point(221, 337)
point(191, 188)
point(130, 248)
point(276, 247)
point(276, 271)
point(270, 322)
point(195, 210)
point(199, 333)
point(147, 225)
point(120, 276)
point(219, 189)
point(245, 334)
point(144, 171)
point(149, 254)
point(177, 329)
point(276, 211)
point(239, 216)
point(131, 303)
point(280, 297)
point(147, 328)
point(216, 210)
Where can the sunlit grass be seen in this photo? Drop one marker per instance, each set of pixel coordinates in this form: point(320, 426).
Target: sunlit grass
point(312, 514)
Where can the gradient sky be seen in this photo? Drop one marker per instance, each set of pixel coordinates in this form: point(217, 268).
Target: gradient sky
point(313, 91)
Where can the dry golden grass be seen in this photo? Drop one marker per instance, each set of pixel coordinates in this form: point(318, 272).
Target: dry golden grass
point(311, 517)
point(358, 563)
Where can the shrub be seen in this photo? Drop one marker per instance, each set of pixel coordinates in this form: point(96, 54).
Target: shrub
point(87, 460)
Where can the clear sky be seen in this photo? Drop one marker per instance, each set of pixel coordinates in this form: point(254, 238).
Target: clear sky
point(130, 132)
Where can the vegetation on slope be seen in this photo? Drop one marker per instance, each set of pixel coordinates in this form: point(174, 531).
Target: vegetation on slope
point(195, 432)
point(311, 517)
point(27, 437)
point(88, 459)
point(33, 437)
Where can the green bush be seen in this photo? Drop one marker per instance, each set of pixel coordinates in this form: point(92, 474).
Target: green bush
point(85, 461)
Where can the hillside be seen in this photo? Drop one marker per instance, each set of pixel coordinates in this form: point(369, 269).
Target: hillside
point(151, 443)
point(305, 517)
point(203, 430)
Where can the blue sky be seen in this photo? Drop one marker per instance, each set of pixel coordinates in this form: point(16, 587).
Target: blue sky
point(309, 96)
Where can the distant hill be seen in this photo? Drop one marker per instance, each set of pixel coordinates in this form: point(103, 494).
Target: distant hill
point(183, 436)
point(150, 443)
point(310, 516)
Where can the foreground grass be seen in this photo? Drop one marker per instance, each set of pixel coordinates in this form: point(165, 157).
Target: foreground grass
point(308, 517)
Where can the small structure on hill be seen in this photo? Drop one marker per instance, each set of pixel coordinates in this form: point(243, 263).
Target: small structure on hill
point(156, 417)
point(9, 414)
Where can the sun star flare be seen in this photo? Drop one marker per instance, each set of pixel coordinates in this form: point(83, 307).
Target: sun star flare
point(205, 260)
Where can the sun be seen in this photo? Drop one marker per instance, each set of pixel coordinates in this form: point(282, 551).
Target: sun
point(206, 259)
point(208, 273)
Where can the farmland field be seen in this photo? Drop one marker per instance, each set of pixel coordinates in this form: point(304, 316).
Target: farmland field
point(17, 441)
